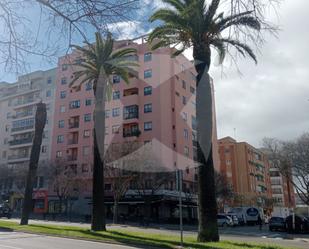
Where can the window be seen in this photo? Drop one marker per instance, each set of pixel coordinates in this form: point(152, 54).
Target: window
point(60, 139)
point(184, 85)
point(63, 81)
point(86, 133)
point(147, 126)
point(48, 93)
point(116, 79)
point(107, 113)
point(147, 108)
point(147, 74)
point(62, 108)
point(192, 90)
point(87, 117)
point(49, 80)
point(116, 95)
point(147, 90)
point(44, 149)
point(63, 94)
point(115, 129)
point(116, 112)
point(74, 104)
point(84, 167)
point(184, 100)
point(64, 67)
point(184, 116)
point(186, 134)
point(86, 150)
point(88, 86)
point(186, 151)
point(88, 102)
point(130, 112)
point(147, 57)
point(61, 124)
point(106, 130)
point(193, 122)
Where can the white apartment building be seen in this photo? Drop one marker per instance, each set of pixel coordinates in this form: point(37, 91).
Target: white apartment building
point(17, 112)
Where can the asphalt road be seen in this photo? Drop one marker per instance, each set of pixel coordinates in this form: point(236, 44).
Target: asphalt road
point(17, 240)
point(242, 234)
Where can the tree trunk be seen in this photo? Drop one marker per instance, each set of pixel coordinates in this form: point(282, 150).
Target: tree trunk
point(40, 121)
point(98, 208)
point(207, 205)
point(115, 215)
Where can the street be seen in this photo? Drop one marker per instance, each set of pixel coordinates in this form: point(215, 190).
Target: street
point(16, 240)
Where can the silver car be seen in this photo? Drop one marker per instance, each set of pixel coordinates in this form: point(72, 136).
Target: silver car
point(224, 220)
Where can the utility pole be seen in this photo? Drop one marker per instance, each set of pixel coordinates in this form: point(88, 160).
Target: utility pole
point(179, 188)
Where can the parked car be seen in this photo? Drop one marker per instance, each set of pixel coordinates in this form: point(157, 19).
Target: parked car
point(234, 219)
point(277, 223)
point(224, 220)
point(301, 224)
point(5, 211)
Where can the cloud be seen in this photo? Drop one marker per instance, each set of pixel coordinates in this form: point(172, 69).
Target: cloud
point(270, 99)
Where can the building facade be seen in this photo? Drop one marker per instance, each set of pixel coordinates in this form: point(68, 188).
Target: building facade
point(247, 170)
point(17, 110)
point(156, 109)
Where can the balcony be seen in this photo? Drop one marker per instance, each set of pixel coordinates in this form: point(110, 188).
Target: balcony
point(20, 141)
point(71, 158)
point(26, 102)
point(131, 130)
point(130, 112)
point(73, 141)
point(73, 125)
point(131, 91)
point(20, 157)
point(22, 128)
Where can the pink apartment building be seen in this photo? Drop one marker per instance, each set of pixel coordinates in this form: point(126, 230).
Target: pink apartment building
point(157, 108)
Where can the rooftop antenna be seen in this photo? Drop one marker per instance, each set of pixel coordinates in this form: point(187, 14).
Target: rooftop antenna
point(235, 133)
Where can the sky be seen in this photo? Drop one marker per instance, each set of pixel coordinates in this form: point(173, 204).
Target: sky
point(270, 99)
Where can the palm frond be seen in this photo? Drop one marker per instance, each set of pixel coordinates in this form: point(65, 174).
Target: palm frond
point(169, 16)
point(248, 21)
point(241, 46)
point(211, 11)
point(220, 48)
point(124, 52)
point(177, 4)
point(163, 31)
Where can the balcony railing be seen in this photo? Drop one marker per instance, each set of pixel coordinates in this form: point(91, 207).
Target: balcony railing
point(28, 101)
point(72, 158)
point(12, 157)
point(135, 133)
point(21, 141)
point(73, 125)
point(73, 141)
point(22, 128)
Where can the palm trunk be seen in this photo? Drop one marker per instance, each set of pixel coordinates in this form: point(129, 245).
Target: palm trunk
point(207, 205)
point(98, 208)
point(40, 121)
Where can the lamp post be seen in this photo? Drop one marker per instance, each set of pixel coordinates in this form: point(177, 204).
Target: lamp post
point(179, 188)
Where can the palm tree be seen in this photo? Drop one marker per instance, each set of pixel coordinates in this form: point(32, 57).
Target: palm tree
point(40, 121)
point(196, 24)
point(100, 62)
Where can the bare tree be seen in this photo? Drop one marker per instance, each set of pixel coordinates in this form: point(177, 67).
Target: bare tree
point(57, 24)
point(292, 158)
point(65, 181)
point(224, 190)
